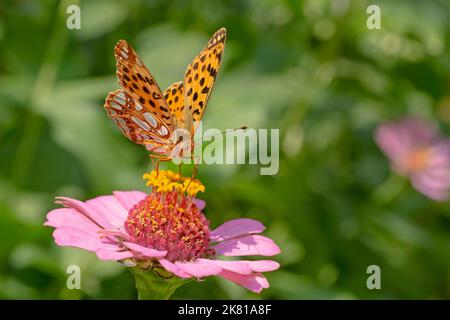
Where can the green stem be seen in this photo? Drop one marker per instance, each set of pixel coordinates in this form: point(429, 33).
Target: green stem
point(156, 284)
point(39, 93)
point(389, 189)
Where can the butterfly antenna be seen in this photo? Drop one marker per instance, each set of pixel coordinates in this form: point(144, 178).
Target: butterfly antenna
point(224, 132)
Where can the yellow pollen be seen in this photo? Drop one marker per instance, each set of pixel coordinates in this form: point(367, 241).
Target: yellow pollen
point(167, 181)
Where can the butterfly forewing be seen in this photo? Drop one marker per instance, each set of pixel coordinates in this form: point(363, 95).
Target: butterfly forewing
point(174, 96)
point(137, 123)
point(200, 76)
point(137, 81)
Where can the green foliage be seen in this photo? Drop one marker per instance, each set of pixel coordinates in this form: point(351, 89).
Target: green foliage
point(310, 68)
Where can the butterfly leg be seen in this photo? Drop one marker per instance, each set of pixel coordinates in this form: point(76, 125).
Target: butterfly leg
point(158, 158)
point(194, 174)
point(195, 171)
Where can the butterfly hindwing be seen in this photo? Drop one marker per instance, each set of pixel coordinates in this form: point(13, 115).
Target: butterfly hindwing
point(200, 76)
point(136, 123)
point(137, 81)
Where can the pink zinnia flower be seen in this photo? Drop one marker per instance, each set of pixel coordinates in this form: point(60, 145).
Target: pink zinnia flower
point(417, 150)
point(165, 229)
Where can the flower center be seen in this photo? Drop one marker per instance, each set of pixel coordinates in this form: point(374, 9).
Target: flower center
point(418, 160)
point(169, 220)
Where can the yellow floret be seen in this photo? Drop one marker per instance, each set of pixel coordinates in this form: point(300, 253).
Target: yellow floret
point(168, 181)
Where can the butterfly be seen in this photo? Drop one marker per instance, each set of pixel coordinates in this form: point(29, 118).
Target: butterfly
point(150, 117)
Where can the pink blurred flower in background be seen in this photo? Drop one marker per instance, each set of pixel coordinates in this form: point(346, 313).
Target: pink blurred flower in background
point(165, 229)
point(417, 150)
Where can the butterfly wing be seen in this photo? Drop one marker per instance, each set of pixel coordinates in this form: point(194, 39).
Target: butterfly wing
point(143, 113)
point(139, 109)
point(174, 96)
point(200, 76)
point(137, 82)
point(136, 123)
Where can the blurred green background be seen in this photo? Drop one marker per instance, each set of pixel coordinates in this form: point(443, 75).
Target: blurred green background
point(310, 68)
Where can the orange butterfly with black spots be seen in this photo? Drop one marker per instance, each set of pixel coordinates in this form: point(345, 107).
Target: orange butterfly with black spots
point(149, 117)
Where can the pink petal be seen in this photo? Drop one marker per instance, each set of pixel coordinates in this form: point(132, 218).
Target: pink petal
point(103, 254)
point(110, 208)
point(235, 228)
point(393, 141)
point(233, 266)
point(434, 178)
point(105, 233)
point(148, 252)
point(129, 198)
point(64, 217)
point(248, 245)
point(247, 266)
point(254, 282)
point(199, 269)
point(397, 139)
point(262, 265)
point(440, 156)
point(86, 210)
point(171, 267)
point(75, 237)
point(421, 131)
point(430, 189)
point(200, 204)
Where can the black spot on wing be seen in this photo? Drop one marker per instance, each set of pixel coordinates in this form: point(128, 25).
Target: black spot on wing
point(205, 90)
